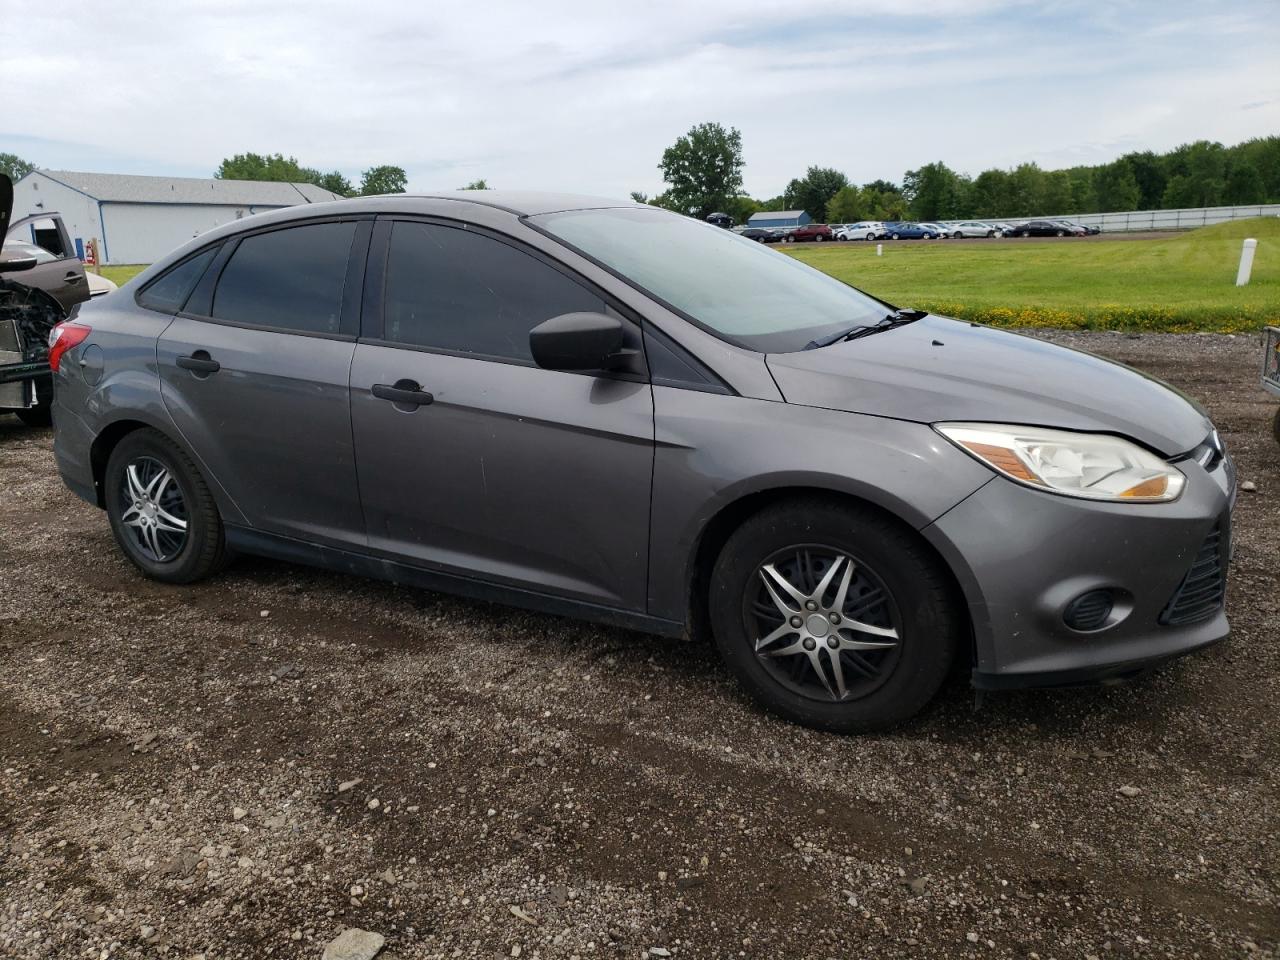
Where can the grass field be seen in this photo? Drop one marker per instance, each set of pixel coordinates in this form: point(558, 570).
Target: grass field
point(1180, 284)
point(123, 273)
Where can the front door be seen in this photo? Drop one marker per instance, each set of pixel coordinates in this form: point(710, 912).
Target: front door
point(259, 386)
point(487, 465)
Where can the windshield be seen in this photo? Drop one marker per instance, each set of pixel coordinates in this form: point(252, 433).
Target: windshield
point(738, 290)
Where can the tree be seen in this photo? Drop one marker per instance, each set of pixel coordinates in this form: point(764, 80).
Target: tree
point(741, 207)
point(846, 206)
point(384, 179)
point(334, 182)
point(812, 192)
point(1057, 197)
point(14, 166)
point(1149, 173)
point(480, 184)
point(258, 166)
point(1244, 184)
point(639, 197)
point(936, 192)
point(704, 169)
point(1117, 187)
point(279, 168)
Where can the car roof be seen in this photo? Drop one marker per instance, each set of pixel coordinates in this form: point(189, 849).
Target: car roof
point(525, 203)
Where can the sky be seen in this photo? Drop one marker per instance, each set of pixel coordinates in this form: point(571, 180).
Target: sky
point(584, 96)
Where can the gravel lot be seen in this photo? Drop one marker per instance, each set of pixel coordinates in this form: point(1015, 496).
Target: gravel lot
point(246, 767)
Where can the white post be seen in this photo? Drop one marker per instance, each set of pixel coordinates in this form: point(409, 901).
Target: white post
point(879, 249)
point(1246, 262)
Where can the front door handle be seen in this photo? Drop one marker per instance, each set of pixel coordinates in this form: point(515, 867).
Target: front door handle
point(199, 362)
point(403, 393)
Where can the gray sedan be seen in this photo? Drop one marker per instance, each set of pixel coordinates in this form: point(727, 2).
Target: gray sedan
point(613, 412)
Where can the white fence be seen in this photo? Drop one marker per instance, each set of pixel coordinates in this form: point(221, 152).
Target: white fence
point(1168, 219)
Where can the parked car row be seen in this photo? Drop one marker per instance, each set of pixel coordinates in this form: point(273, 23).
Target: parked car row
point(912, 230)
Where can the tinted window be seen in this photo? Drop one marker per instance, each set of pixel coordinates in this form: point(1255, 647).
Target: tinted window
point(171, 290)
point(453, 289)
point(291, 279)
point(738, 289)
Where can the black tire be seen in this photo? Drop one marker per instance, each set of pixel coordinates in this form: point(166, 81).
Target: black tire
point(990, 234)
point(894, 570)
point(894, 237)
point(203, 548)
point(38, 416)
point(957, 235)
point(1060, 233)
point(1275, 426)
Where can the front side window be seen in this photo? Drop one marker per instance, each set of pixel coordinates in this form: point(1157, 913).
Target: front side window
point(738, 290)
point(457, 290)
point(170, 291)
point(291, 279)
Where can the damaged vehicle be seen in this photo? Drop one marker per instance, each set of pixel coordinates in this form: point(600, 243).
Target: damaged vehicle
point(42, 282)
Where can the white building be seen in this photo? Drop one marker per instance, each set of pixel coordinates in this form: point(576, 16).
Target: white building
point(140, 219)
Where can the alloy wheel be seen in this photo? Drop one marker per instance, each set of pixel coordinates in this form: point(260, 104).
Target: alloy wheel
point(153, 509)
point(823, 624)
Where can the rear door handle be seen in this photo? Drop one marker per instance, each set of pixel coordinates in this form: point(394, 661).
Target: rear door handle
point(199, 362)
point(73, 278)
point(403, 393)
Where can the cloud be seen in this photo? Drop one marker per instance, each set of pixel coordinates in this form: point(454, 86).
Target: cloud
point(575, 96)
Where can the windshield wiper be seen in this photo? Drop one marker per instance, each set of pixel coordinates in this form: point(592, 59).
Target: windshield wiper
point(895, 319)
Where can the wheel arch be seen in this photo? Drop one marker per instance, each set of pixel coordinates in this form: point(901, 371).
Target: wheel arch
point(110, 436)
point(716, 531)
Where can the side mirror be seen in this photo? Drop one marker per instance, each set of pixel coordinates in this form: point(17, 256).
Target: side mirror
point(577, 341)
point(18, 264)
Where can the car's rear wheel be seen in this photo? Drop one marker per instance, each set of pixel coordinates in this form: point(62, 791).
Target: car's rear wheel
point(818, 238)
point(161, 511)
point(1060, 233)
point(894, 237)
point(990, 233)
point(832, 616)
point(957, 235)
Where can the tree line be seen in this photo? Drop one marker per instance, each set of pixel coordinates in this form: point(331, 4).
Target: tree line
point(703, 171)
point(270, 166)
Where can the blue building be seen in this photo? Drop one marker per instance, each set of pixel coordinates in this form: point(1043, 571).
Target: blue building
point(779, 218)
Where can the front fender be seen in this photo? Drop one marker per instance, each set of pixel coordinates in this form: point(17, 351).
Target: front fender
point(713, 451)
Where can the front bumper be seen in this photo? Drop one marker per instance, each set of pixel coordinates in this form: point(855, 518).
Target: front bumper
point(1022, 556)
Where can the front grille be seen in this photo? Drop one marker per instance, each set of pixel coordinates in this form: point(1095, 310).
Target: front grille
point(1204, 588)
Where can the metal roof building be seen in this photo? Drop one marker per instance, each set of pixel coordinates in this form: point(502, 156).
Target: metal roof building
point(779, 218)
point(140, 219)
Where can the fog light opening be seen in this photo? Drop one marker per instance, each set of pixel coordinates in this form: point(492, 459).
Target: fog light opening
point(1089, 611)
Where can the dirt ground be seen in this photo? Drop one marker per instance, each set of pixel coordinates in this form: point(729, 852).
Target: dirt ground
point(246, 767)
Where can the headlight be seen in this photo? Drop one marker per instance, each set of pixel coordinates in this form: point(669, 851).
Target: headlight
point(1090, 465)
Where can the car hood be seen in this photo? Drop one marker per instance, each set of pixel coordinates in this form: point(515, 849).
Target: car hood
point(938, 369)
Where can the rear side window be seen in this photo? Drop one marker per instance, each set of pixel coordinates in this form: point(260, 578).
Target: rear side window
point(291, 279)
point(170, 291)
point(456, 290)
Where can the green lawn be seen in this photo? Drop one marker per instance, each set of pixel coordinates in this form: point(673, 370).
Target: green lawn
point(124, 273)
point(1180, 284)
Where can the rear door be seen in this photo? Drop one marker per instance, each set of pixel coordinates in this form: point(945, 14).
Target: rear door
point(500, 470)
point(254, 372)
point(59, 271)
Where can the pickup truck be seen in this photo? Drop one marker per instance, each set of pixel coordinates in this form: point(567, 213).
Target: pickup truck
point(42, 281)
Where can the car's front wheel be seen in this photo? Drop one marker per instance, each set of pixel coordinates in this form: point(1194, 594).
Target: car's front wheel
point(161, 511)
point(832, 616)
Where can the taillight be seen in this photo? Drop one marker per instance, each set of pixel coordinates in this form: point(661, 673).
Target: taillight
point(62, 338)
